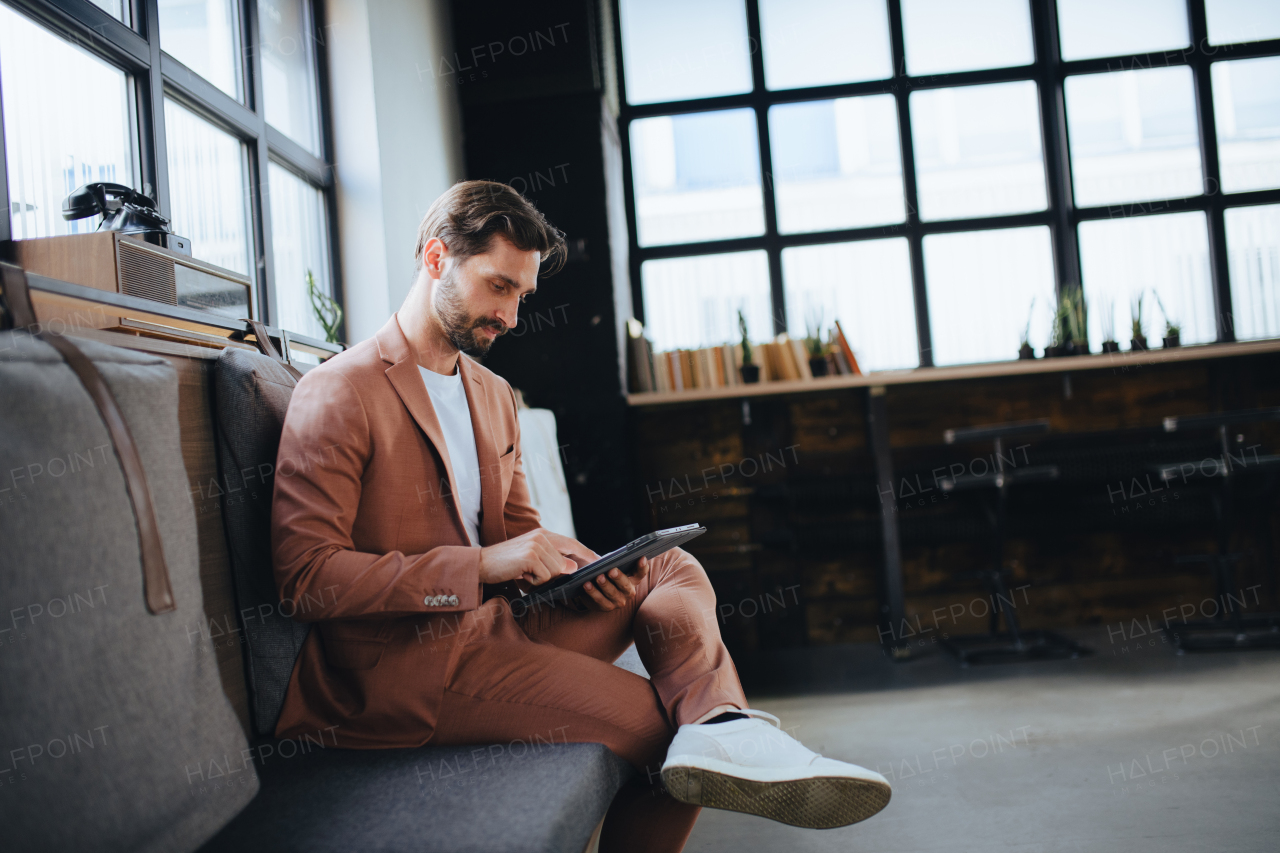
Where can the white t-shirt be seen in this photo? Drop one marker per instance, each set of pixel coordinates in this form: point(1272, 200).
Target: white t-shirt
point(449, 400)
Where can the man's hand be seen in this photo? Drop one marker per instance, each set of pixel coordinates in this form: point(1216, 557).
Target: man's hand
point(613, 590)
point(537, 557)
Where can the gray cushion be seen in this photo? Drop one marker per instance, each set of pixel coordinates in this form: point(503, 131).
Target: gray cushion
point(252, 394)
point(110, 713)
point(486, 799)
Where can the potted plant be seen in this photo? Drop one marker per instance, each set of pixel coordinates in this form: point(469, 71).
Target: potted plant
point(817, 356)
point(1109, 343)
point(1138, 341)
point(1026, 351)
point(814, 346)
point(327, 311)
point(1056, 346)
point(1077, 319)
point(1069, 325)
point(1172, 329)
point(750, 372)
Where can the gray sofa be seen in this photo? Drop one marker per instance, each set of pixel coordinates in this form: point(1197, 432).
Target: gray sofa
point(124, 729)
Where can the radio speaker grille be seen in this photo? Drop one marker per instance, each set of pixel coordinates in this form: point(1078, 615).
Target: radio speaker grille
point(146, 275)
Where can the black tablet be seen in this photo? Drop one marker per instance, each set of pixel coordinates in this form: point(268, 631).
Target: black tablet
point(565, 587)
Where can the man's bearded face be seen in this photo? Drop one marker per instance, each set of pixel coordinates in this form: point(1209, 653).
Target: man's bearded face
point(464, 330)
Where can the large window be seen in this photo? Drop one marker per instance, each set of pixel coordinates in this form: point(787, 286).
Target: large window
point(176, 99)
point(937, 174)
point(49, 152)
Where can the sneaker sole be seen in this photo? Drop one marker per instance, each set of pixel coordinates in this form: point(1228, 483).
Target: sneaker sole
point(819, 802)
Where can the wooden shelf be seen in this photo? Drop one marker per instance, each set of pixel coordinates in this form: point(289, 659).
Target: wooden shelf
point(1066, 364)
point(123, 320)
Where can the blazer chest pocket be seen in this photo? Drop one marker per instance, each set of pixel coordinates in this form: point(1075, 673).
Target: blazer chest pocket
point(506, 471)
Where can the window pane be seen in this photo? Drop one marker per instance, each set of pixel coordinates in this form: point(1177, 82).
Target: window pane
point(1242, 20)
point(697, 177)
point(867, 287)
point(823, 42)
point(204, 35)
point(51, 152)
point(288, 70)
point(1246, 110)
point(977, 150)
point(694, 302)
point(1092, 28)
point(836, 164)
point(117, 9)
point(208, 189)
point(1168, 255)
point(1253, 252)
point(981, 287)
point(299, 242)
point(1133, 136)
point(942, 36)
point(674, 50)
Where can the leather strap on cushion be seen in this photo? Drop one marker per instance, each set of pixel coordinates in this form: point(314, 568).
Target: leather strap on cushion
point(155, 573)
point(269, 349)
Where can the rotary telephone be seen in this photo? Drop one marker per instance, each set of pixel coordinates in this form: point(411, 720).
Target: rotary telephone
point(126, 210)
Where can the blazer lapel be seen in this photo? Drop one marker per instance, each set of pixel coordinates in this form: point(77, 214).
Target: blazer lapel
point(404, 376)
point(492, 527)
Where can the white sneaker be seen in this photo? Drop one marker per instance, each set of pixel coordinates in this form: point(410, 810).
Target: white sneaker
point(753, 767)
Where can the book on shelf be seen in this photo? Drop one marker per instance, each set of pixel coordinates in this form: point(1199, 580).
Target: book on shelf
point(732, 357)
point(641, 358)
point(707, 359)
point(801, 359)
point(843, 343)
point(669, 372)
point(782, 367)
point(782, 359)
point(768, 361)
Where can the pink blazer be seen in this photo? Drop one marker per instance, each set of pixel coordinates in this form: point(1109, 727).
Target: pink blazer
point(368, 542)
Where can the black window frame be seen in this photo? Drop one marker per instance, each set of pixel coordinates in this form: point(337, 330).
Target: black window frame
point(1049, 72)
point(156, 75)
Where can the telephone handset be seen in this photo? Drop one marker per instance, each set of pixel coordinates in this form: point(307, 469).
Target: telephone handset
point(123, 209)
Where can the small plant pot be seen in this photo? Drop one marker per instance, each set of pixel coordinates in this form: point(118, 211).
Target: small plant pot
point(1138, 344)
point(750, 373)
point(1110, 346)
point(1172, 341)
point(1054, 352)
point(1075, 348)
point(818, 365)
point(1025, 352)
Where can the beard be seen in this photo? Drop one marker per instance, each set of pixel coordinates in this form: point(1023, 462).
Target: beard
point(462, 329)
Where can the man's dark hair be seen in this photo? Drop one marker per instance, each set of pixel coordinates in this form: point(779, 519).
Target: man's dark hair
point(470, 213)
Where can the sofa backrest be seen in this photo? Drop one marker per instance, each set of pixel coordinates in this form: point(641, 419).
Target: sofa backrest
point(251, 394)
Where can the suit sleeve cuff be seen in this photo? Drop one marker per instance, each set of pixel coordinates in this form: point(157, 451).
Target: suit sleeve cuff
point(456, 587)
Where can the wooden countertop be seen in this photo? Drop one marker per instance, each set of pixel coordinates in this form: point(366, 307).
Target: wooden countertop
point(1066, 364)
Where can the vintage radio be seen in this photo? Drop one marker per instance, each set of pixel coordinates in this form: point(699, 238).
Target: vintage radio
point(124, 263)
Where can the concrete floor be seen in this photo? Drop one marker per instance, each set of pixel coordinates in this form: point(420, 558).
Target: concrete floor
point(1127, 751)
